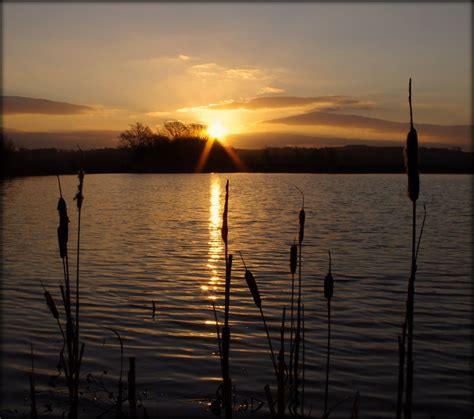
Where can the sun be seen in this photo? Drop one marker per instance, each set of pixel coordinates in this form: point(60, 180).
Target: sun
point(217, 131)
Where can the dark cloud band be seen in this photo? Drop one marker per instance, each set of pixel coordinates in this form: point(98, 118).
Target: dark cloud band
point(16, 105)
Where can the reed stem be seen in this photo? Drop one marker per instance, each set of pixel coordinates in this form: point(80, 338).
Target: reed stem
point(269, 342)
point(410, 318)
point(327, 360)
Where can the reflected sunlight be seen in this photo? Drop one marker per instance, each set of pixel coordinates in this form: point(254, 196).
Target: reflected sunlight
point(215, 240)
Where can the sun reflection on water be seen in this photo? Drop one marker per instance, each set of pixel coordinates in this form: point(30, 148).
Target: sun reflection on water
point(215, 241)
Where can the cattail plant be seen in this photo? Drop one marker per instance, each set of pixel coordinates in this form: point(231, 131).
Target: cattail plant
point(69, 366)
point(225, 342)
point(71, 362)
point(252, 284)
point(78, 355)
point(328, 292)
point(296, 347)
point(412, 168)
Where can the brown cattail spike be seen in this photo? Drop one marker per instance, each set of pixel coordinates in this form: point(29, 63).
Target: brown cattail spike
point(411, 157)
point(225, 229)
point(329, 282)
point(79, 197)
point(51, 304)
point(252, 284)
point(63, 229)
point(302, 217)
point(293, 258)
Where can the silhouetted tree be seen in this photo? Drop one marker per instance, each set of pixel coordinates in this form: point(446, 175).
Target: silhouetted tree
point(136, 138)
point(175, 130)
point(6, 144)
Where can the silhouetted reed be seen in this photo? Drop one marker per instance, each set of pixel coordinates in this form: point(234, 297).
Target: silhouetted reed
point(225, 343)
point(328, 293)
point(294, 404)
point(120, 383)
point(71, 362)
point(132, 392)
point(252, 284)
point(281, 369)
point(293, 266)
point(31, 377)
point(412, 169)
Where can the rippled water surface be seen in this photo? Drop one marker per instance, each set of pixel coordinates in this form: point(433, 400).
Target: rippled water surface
point(157, 238)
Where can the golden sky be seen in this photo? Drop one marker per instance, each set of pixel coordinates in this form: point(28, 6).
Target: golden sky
point(318, 73)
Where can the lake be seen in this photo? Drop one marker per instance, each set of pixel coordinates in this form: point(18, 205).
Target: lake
point(157, 237)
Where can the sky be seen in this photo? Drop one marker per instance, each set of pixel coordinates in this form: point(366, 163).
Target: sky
point(265, 74)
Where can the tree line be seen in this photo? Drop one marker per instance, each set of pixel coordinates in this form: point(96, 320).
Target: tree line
point(141, 137)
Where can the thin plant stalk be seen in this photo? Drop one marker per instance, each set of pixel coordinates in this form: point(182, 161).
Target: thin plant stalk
point(227, 383)
point(327, 359)
point(120, 384)
point(304, 364)
point(295, 402)
point(328, 293)
point(401, 366)
point(281, 369)
point(411, 160)
point(79, 198)
point(217, 331)
point(31, 376)
point(293, 264)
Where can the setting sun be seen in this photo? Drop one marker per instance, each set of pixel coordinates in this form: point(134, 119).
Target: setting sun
point(217, 130)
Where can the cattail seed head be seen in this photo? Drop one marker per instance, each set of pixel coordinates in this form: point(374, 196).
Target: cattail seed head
point(328, 286)
point(63, 229)
point(329, 282)
point(411, 164)
point(302, 219)
point(293, 258)
point(51, 304)
point(252, 284)
point(225, 229)
point(79, 197)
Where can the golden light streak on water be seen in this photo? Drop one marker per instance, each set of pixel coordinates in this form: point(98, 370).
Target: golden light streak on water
point(216, 248)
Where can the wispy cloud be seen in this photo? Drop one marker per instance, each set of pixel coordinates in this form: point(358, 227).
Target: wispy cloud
point(209, 70)
point(328, 103)
point(269, 90)
point(27, 105)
